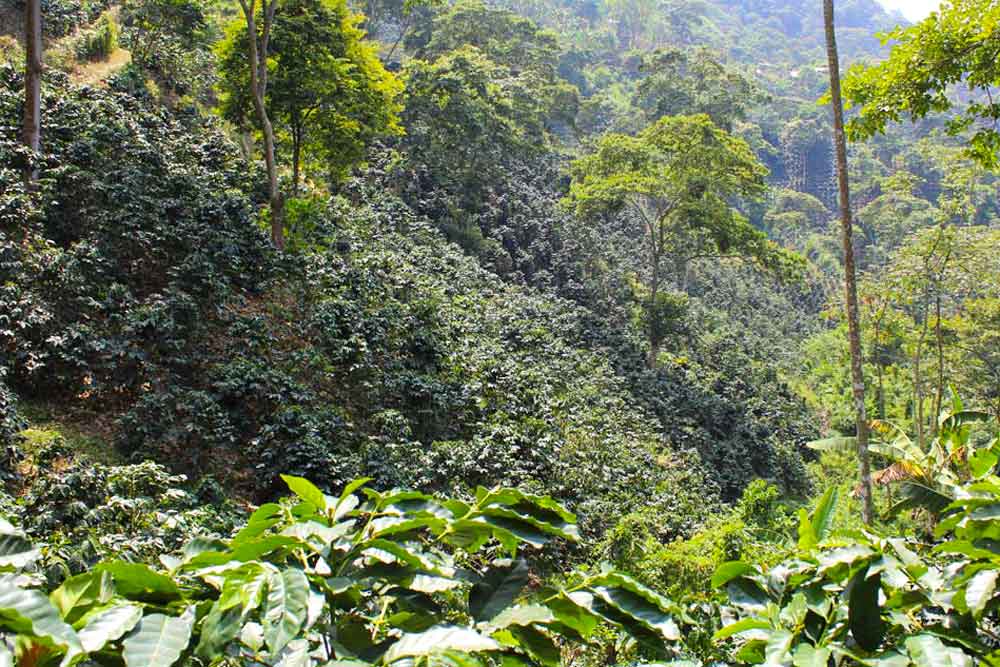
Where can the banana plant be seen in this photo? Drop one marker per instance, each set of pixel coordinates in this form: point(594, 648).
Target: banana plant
point(362, 578)
point(930, 478)
point(852, 599)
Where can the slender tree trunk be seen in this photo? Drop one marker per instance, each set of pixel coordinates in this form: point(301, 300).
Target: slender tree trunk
point(32, 86)
point(850, 281)
point(880, 371)
point(918, 380)
point(296, 156)
point(258, 89)
point(654, 291)
point(939, 390)
point(877, 356)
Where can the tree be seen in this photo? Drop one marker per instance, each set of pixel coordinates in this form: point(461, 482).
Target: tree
point(677, 179)
point(170, 39)
point(955, 46)
point(257, 50)
point(686, 81)
point(850, 283)
point(32, 86)
point(472, 124)
point(328, 94)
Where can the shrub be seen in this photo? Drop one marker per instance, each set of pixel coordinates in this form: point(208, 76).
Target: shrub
point(417, 578)
point(99, 41)
point(86, 511)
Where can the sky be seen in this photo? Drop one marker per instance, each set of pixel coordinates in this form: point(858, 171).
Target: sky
point(912, 9)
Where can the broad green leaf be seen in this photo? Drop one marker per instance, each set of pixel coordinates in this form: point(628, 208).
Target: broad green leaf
point(776, 650)
point(263, 518)
point(965, 548)
point(157, 641)
point(979, 591)
point(324, 534)
point(839, 444)
point(929, 651)
point(752, 652)
point(353, 486)
point(623, 581)
point(427, 583)
point(543, 507)
point(136, 581)
point(108, 625)
point(844, 556)
point(469, 534)
point(983, 461)
point(574, 611)
point(296, 654)
point(286, 608)
point(741, 626)
point(807, 533)
point(199, 545)
point(887, 659)
point(989, 512)
point(794, 613)
point(806, 655)
point(16, 550)
point(523, 615)
point(822, 515)
point(746, 593)
point(29, 613)
point(306, 490)
point(637, 609)
point(252, 636)
point(79, 593)
point(218, 628)
point(244, 587)
point(537, 644)
point(452, 659)
point(410, 554)
point(729, 571)
point(864, 615)
point(498, 588)
point(391, 525)
point(511, 532)
point(959, 419)
point(567, 531)
point(437, 639)
point(268, 544)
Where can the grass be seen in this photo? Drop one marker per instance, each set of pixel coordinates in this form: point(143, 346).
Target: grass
point(92, 73)
point(81, 434)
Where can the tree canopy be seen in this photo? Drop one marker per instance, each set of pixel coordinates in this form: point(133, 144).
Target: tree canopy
point(955, 47)
point(328, 92)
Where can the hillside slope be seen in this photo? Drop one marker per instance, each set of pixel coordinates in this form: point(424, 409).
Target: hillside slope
point(139, 288)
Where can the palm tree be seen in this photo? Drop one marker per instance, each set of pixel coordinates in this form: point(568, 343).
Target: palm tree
point(850, 281)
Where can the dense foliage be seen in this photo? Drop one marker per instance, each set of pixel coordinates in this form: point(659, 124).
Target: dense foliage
point(569, 272)
point(363, 580)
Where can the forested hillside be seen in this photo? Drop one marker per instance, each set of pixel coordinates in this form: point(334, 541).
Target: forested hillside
point(459, 333)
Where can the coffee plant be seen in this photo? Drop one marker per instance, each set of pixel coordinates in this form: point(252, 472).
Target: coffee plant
point(366, 578)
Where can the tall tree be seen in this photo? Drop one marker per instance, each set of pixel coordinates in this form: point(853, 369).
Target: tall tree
point(32, 85)
point(257, 46)
point(956, 47)
point(328, 94)
point(677, 179)
point(688, 81)
point(850, 281)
